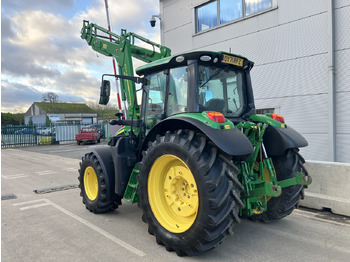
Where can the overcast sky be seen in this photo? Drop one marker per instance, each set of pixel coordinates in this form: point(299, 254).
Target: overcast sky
point(41, 48)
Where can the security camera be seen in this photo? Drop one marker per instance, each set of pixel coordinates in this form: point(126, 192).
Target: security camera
point(152, 21)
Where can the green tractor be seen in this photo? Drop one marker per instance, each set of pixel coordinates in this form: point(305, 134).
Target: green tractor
point(195, 157)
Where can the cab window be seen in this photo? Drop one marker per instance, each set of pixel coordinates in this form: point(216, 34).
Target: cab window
point(178, 86)
point(221, 89)
point(153, 106)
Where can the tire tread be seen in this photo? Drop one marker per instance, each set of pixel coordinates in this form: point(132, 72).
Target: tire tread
point(221, 188)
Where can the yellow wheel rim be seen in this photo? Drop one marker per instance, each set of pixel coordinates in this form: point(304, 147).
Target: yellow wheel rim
point(90, 183)
point(173, 194)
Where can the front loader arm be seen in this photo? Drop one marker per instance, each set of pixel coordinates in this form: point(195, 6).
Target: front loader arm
point(123, 48)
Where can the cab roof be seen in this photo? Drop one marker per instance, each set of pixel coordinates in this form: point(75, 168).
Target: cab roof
point(182, 59)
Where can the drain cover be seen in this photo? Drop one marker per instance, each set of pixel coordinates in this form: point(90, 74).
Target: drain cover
point(8, 196)
point(54, 189)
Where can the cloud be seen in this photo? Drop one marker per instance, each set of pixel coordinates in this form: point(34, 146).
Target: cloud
point(44, 37)
point(14, 62)
point(132, 15)
point(18, 97)
point(45, 5)
point(14, 95)
point(79, 83)
point(42, 50)
point(6, 29)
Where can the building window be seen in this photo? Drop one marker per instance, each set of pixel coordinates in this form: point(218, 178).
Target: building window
point(256, 6)
point(219, 12)
point(230, 10)
point(207, 16)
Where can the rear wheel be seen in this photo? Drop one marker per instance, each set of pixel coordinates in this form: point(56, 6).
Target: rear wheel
point(189, 192)
point(93, 186)
point(286, 166)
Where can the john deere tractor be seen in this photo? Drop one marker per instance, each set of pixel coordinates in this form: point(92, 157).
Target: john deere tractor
point(195, 157)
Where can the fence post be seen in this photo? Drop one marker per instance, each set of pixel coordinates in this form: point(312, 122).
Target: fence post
point(35, 136)
point(107, 132)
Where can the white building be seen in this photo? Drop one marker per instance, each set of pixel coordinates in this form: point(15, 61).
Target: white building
point(301, 51)
point(40, 112)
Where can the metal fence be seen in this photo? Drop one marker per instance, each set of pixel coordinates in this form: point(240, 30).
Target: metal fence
point(25, 135)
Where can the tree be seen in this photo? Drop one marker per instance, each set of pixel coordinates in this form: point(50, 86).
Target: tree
point(103, 111)
point(50, 97)
point(47, 121)
point(12, 119)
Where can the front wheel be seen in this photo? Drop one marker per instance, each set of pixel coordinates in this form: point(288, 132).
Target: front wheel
point(189, 192)
point(94, 189)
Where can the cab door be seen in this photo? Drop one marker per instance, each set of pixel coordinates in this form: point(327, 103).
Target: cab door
point(154, 99)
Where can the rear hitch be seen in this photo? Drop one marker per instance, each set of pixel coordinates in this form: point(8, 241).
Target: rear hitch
point(299, 179)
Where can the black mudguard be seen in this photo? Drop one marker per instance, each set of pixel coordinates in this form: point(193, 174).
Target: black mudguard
point(277, 140)
point(117, 162)
point(124, 158)
point(231, 141)
point(104, 156)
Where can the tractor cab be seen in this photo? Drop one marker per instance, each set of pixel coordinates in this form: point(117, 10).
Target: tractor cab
point(194, 83)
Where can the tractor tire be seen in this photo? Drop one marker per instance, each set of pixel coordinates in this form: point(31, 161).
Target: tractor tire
point(93, 186)
point(286, 166)
point(189, 192)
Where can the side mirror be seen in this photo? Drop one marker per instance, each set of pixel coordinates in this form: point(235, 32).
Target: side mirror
point(105, 92)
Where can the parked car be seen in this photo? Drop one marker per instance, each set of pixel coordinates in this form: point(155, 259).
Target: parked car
point(24, 131)
point(88, 134)
point(44, 131)
point(101, 130)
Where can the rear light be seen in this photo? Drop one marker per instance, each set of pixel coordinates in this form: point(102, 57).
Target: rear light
point(216, 117)
point(279, 118)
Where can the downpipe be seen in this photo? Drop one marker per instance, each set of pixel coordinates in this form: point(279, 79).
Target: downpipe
point(331, 83)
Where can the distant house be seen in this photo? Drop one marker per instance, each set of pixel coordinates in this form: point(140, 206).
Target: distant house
point(39, 112)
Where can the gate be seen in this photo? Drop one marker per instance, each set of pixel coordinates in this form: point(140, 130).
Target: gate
point(25, 135)
point(18, 136)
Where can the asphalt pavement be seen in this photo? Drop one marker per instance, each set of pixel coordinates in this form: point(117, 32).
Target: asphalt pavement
point(43, 219)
